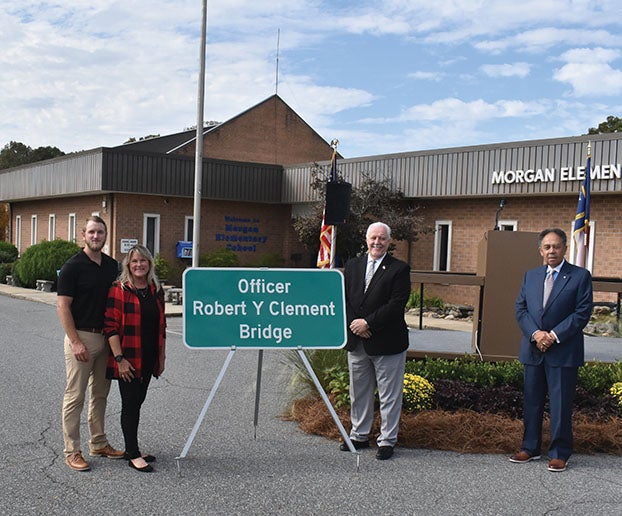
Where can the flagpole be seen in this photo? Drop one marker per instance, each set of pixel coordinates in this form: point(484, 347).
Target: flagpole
point(198, 158)
point(333, 234)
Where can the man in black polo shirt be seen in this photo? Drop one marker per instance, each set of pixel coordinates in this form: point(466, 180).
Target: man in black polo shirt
point(82, 290)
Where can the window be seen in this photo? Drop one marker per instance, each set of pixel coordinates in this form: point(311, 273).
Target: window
point(572, 245)
point(33, 230)
point(442, 245)
point(151, 232)
point(508, 225)
point(71, 232)
point(52, 227)
point(188, 228)
point(18, 233)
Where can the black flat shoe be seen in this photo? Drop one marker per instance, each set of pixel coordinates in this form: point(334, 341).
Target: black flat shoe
point(145, 469)
point(146, 458)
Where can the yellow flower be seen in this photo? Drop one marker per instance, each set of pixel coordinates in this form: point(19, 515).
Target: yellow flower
point(616, 392)
point(418, 392)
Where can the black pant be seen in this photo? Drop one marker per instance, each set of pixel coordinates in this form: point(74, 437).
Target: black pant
point(133, 395)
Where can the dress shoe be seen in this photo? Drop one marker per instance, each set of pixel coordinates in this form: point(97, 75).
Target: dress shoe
point(384, 452)
point(358, 445)
point(522, 457)
point(557, 465)
point(107, 451)
point(77, 462)
point(144, 469)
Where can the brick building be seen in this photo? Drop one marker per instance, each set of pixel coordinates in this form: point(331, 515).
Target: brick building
point(256, 175)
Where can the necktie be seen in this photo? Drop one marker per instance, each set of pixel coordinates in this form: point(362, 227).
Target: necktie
point(370, 273)
point(548, 286)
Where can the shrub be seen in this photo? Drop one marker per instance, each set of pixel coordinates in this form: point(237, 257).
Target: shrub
point(455, 395)
point(339, 386)
point(414, 301)
point(161, 266)
point(219, 258)
point(597, 406)
point(418, 393)
point(8, 252)
point(469, 369)
point(597, 377)
point(6, 269)
point(327, 365)
point(272, 260)
point(42, 261)
point(616, 394)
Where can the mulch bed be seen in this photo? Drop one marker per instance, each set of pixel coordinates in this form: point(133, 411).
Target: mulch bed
point(463, 431)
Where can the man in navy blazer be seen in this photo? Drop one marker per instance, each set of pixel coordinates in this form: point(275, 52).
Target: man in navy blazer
point(377, 290)
point(551, 348)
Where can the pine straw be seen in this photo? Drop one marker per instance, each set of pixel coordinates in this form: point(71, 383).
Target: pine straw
point(465, 431)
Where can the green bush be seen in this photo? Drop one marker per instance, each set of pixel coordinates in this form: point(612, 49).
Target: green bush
point(162, 267)
point(42, 261)
point(468, 369)
point(219, 258)
point(598, 377)
point(414, 301)
point(328, 365)
point(271, 260)
point(6, 269)
point(8, 252)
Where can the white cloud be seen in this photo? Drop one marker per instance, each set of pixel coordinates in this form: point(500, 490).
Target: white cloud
point(426, 76)
point(506, 70)
point(589, 72)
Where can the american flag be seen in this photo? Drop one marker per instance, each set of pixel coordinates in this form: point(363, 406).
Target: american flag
point(325, 256)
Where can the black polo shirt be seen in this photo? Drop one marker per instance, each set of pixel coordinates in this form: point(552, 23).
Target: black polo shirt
point(88, 284)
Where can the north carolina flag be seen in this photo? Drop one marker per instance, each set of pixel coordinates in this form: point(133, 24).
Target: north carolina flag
point(325, 256)
point(581, 229)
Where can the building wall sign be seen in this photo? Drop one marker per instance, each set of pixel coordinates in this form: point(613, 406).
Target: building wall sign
point(241, 234)
point(550, 175)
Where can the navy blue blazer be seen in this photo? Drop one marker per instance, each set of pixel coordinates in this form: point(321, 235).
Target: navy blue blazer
point(567, 311)
point(382, 306)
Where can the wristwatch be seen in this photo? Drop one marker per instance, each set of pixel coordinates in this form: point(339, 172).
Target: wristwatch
point(118, 358)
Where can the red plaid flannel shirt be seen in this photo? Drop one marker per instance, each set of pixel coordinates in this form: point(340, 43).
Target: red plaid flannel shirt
point(123, 318)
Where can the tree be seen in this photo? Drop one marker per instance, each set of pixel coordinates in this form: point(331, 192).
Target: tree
point(14, 154)
point(613, 124)
point(374, 200)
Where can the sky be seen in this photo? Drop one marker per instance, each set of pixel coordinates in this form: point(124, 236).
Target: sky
point(380, 76)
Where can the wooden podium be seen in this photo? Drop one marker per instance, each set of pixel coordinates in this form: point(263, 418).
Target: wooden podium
point(503, 257)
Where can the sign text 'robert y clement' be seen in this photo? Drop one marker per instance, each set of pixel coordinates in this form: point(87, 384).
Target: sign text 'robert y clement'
point(263, 308)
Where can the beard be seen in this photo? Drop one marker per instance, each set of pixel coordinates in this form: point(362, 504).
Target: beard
point(95, 246)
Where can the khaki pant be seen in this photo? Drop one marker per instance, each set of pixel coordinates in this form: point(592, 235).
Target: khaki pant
point(79, 376)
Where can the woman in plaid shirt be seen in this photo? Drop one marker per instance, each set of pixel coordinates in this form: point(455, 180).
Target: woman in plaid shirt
point(135, 326)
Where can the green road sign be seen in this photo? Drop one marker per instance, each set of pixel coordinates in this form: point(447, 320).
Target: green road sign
point(263, 308)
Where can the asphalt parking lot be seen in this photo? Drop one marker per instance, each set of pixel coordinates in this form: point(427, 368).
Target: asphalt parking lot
point(227, 470)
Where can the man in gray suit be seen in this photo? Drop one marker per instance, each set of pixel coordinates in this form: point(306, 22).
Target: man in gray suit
point(377, 290)
point(553, 307)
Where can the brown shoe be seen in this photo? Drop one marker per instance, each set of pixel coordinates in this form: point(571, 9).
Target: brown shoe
point(523, 457)
point(557, 465)
point(107, 451)
point(77, 462)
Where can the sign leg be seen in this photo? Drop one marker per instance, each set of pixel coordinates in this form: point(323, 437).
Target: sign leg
point(212, 393)
point(258, 391)
point(318, 385)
